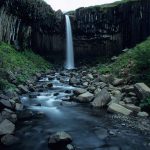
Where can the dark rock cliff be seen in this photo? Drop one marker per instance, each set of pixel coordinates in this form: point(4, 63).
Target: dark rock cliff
point(98, 30)
point(31, 24)
point(108, 29)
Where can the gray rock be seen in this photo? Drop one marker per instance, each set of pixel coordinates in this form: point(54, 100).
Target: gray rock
point(85, 97)
point(79, 91)
point(5, 103)
point(73, 81)
point(102, 99)
point(19, 107)
point(8, 114)
point(143, 114)
point(9, 140)
point(23, 89)
point(116, 108)
point(90, 76)
point(6, 127)
point(70, 147)
point(132, 107)
point(59, 139)
point(118, 82)
point(142, 90)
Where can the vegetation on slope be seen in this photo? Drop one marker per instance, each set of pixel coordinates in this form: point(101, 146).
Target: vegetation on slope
point(135, 62)
point(19, 65)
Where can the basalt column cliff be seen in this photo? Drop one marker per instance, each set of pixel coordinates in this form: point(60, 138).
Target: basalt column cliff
point(108, 29)
point(31, 24)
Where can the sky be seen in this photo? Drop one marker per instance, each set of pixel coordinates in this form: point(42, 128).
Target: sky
point(67, 5)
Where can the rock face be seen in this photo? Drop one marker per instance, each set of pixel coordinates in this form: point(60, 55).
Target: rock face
point(99, 30)
point(31, 24)
point(102, 99)
point(108, 29)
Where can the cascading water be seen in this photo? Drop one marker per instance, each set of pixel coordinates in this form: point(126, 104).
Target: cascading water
point(69, 45)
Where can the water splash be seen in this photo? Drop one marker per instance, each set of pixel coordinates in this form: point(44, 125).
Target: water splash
point(69, 45)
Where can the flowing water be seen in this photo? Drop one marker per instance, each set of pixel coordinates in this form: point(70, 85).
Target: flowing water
point(69, 45)
point(90, 129)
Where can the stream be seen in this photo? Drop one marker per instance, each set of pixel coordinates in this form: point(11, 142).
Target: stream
point(90, 129)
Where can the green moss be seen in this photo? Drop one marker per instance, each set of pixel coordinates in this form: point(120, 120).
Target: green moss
point(136, 61)
point(22, 64)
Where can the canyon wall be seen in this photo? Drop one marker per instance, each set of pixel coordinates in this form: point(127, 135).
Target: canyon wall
point(31, 24)
point(98, 31)
point(108, 29)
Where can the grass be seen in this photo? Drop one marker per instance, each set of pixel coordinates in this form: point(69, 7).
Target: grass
point(23, 65)
point(135, 62)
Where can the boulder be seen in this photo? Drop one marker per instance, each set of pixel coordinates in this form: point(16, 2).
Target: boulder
point(132, 107)
point(8, 114)
point(116, 108)
point(19, 107)
point(73, 81)
point(79, 91)
point(5, 103)
point(59, 140)
point(85, 97)
point(9, 140)
point(23, 89)
point(143, 114)
point(118, 82)
point(102, 99)
point(6, 127)
point(142, 91)
point(90, 76)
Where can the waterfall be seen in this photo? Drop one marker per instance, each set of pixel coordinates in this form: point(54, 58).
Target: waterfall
point(69, 45)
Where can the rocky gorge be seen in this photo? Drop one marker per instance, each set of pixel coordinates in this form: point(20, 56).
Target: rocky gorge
point(91, 107)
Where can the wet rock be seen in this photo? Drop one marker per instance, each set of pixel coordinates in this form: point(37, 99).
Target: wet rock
point(85, 97)
point(73, 81)
point(5, 103)
point(143, 114)
point(8, 114)
point(59, 140)
point(70, 147)
point(118, 82)
point(79, 91)
point(23, 89)
point(101, 133)
point(116, 108)
point(49, 85)
point(56, 94)
point(102, 99)
point(142, 90)
point(68, 91)
point(9, 140)
point(33, 95)
point(19, 107)
point(6, 127)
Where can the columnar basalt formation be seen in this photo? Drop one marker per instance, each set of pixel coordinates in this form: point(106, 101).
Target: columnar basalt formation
point(108, 29)
point(98, 31)
point(31, 24)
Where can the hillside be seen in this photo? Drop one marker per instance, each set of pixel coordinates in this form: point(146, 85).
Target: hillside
point(17, 67)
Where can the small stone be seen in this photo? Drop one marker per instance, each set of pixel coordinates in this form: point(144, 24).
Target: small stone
point(118, 82)
point(19, 107)
point(70, 147)
point(143, 114)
